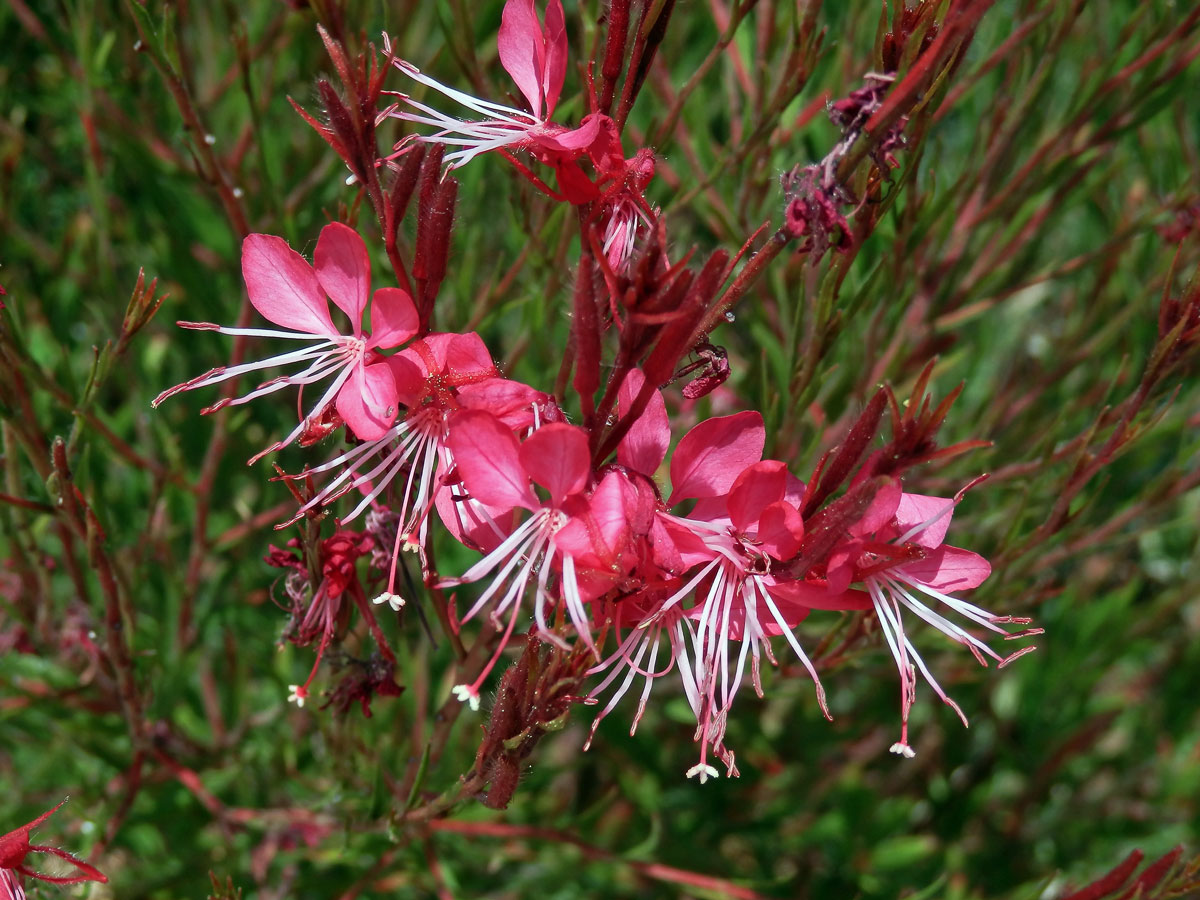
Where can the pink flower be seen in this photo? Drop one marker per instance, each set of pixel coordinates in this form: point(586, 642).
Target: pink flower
point(289, 292)
point(898, 554)
point(15, 848)
point(434, 377)
point(570, 527)
point(535, 55)
point(745, 523)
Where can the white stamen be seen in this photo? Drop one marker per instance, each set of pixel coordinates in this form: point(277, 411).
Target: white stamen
point(703, 770)
point(395, 601)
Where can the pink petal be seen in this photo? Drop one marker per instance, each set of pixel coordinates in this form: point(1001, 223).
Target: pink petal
point(484, 530)
point(463, 358)
point(282, 286)
point(367, 401)
point(644, 446)
point(663, 550)
point(780, 530)
point(468, 359)
point(344, 270)
point(795, 491)
point(712, 455)
point(410, 380)
point(556, 457)
point(881, 511)
point(393, 318)
point(596, 532)
point(755, 489)
point(555, 66)
point(949, 569)
point(690, 548)
point(429, 353)
point(487, 457)
point(818, 596)
point(571, 141)
point(918, 509)
point(509, 401)
point(522, 50)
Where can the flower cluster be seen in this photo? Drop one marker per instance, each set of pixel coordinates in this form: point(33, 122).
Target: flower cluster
point(700, 564)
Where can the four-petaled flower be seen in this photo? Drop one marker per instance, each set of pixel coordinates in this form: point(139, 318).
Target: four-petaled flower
point(535, 55)
point(898, 553)
point(289, 292)
point(744, 524)
point(497, 471)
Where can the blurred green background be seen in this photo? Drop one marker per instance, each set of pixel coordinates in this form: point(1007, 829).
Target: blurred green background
point(1026, 241)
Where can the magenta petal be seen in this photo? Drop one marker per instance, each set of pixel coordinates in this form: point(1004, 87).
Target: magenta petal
point(509, 401)
point(714, 510)
point(755, 489)
point(644, 446)
point(555, 66)
point(881, 511)
point(793, 613)
point(344, 270)
point(522, 50)
point(429, 353)
point(949, 569)
point(484, 529)
point(795, 491)
point(712, 455)
point(393, 318)
point(608, 520)
point(780, 530)
point(282, 286)
point(556, 457)
point(933, 512)
point(463, 358)
point(410, 379)
point(574, 140)
point(487, 458)
point(367, 401)
point(596, 532)
point(663, 551)
point(818, 596)
point(839, 571)
point(468, 359)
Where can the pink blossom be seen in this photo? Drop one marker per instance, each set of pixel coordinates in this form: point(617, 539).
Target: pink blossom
point(535, 56)
point(434, 377)
point(289, 292)
point(573, 528)
point(898, 553)
point(745, 523)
